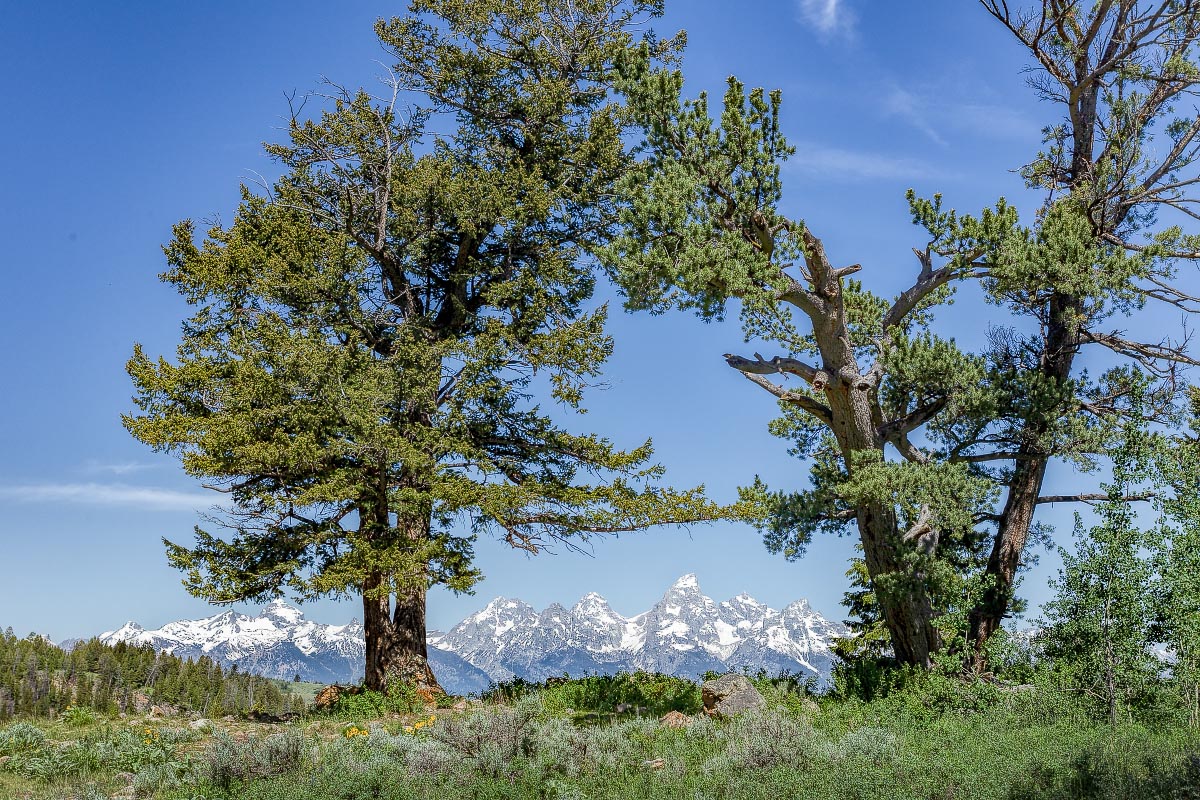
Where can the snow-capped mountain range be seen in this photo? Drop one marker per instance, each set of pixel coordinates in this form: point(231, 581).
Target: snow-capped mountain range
point(685, 633)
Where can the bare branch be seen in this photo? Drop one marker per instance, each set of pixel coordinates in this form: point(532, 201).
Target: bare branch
point(816, 409)
point(1093, 497)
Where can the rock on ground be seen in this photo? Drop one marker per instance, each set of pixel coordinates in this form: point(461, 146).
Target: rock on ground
point(675, 719)
point(730, 695)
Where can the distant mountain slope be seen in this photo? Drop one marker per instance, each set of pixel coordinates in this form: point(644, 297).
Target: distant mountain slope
point(685, 633)
point(281, 643)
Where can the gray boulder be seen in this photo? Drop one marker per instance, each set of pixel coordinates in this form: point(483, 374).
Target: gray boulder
point(730, 695)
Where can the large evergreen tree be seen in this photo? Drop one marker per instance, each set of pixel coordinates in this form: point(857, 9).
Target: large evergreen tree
point(703, 227)
point(1119, 173)
point(369, 336)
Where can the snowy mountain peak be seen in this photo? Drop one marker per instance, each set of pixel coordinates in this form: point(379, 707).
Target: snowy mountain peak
point(129, 629)
point(280, 643)
point(593, 604)
point(684, 633)
point(687, 582)
point(283, 611)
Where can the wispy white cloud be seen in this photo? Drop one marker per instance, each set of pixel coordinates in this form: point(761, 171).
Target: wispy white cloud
point(913, 110)
point(827, 17)
point(857, 165)
point(93, 467)
point(937, 117)
point(107, 494)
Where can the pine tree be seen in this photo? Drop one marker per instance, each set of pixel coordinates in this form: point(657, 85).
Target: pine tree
point(936, 457)
point(360, 372)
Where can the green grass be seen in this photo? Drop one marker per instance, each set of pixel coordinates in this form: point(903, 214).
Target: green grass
point(933, 739)
point(305, 690)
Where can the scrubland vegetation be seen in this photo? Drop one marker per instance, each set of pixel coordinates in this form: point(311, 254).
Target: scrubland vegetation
point(878, 732)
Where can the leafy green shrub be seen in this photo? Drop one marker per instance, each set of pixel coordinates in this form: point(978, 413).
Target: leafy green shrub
point(78, 715)
point(501, 692)
point(400, 698)
point(647, 693)
point(21, 737)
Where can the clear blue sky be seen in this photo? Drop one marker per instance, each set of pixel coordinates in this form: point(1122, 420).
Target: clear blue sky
point(121, 118)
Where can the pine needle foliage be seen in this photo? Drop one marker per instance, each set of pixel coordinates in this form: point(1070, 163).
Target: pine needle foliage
point(370, 336)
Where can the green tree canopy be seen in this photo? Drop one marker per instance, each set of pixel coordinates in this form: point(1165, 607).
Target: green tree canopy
point(370, 336)
point(936, 456)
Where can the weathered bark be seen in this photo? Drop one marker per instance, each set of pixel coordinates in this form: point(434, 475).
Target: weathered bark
point(857, 423)
point(1016, 519)
point(394, 628)
point(908, 613)
point(394, 609)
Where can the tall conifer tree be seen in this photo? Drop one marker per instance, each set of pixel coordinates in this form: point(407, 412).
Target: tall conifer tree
point(360, 371)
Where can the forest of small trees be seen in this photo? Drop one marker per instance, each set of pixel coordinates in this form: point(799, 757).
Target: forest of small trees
point(40, 679)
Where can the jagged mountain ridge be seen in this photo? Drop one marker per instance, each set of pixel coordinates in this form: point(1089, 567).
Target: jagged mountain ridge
point(685, 633)
point(281, 643)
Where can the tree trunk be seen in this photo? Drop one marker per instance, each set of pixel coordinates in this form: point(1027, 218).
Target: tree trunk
point(907, 612)
point(907, 609)
point(394, 606)
point(1012, 532)
point(1009, 543)
point(395, 637)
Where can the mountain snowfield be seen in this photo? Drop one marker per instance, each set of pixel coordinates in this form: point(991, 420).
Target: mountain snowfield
point(685, 633)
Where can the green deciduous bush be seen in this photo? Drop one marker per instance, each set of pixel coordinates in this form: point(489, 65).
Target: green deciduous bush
point(400, 698)
point(642, 692)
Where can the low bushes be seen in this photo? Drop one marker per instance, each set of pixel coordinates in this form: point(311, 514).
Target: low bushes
point(926, 737)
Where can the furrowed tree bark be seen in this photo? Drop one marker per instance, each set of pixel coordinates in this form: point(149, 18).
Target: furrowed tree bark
point(395, 637)
point(1016, 519)
point(908, 613)
point(394, 612)
point(857, 425)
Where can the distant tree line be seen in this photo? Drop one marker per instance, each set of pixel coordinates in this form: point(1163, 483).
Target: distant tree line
point(38, 678)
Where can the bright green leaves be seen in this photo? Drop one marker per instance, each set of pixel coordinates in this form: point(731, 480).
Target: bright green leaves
point(701, 224)
point(1063, 256)
point(1099, 627)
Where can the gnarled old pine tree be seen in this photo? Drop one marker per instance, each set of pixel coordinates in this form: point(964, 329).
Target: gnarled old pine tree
point(1122, 159)
point(703, 226)
point(360, 370)
point(935, 455)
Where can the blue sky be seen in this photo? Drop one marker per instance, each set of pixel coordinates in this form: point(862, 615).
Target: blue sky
point(122, 118)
